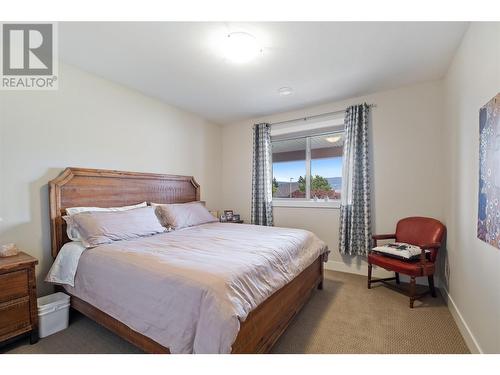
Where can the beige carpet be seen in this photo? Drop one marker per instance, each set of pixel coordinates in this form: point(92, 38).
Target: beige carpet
point(345, 317)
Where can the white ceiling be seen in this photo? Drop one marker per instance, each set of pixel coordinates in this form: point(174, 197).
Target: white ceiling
point(321, 61)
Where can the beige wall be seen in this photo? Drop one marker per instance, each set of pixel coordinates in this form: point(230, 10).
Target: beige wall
point(91, 122)
point(407, 165)
point(472, 267)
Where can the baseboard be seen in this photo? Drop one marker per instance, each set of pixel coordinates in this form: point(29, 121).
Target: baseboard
point(335, 265)
point(469, 338)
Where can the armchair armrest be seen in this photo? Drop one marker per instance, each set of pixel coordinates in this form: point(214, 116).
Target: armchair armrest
point(433, 245)
point(377, 237)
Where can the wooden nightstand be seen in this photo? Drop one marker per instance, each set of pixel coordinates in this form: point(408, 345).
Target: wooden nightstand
point(18, 305)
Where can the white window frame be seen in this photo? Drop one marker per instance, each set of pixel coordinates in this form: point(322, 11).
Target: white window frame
point(308, 201)
point(302, 203)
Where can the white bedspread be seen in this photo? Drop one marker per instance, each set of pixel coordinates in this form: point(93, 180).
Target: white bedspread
point(188, 289)
point(63, 270)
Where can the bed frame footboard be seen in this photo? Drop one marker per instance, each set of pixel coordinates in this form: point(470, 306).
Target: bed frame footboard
point(258, 333)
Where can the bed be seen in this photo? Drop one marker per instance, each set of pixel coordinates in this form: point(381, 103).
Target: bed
point(263, 324)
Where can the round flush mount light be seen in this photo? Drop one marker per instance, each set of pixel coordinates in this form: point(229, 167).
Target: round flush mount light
point(333, 139)
point(240, 47)
point(285, 91)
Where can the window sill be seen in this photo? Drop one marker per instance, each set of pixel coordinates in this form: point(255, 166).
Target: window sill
point(305, 203)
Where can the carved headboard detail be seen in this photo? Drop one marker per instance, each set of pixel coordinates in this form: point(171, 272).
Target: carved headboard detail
point(76, 187)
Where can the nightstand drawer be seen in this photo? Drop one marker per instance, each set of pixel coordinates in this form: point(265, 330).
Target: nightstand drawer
point(14, 316)
point(13, 285)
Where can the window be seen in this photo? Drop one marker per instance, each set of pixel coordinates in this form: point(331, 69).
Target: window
point(289, 167)
point(326, 165)
point(307, 168)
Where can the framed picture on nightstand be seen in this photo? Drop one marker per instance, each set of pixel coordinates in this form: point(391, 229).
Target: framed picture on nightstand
point(229, 215)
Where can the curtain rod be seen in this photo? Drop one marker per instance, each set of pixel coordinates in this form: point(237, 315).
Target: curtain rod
point(316, 116)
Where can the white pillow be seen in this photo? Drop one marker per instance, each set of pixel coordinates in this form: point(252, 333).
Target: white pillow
point(182, 215)
point(400, 250)
point(72, 231)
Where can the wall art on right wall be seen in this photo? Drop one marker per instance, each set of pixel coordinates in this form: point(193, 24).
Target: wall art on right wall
point(488, 218)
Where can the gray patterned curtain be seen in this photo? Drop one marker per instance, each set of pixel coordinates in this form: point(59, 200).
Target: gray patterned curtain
point(355, 218)
point(262, 175)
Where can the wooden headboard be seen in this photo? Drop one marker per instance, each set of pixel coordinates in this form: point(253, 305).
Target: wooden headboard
point(76, 187)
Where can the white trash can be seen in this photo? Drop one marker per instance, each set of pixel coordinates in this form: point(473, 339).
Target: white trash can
point(53, 313)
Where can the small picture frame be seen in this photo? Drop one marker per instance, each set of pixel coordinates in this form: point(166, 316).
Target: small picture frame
point(236, 217)
point(229, 215)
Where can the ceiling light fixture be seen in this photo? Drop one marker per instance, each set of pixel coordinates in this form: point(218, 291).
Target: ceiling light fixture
point(333, 139)
point(285, 91)
point(240, 47)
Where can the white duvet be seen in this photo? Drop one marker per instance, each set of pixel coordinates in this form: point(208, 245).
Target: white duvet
point(63, 270)
point(189, 289)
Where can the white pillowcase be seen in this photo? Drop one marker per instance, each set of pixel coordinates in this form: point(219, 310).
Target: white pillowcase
point(72, 231)
point(400, 250)
point(183, 215)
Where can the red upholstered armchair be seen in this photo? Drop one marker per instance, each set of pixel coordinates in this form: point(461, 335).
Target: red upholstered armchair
point(424, 232)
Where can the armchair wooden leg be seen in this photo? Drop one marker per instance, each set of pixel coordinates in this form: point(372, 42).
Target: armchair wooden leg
point(412, 291)
point(431, 285)
point(397, 277)
point(369, 275)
